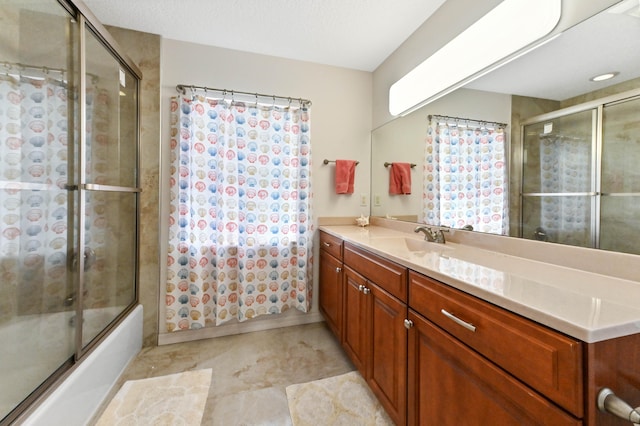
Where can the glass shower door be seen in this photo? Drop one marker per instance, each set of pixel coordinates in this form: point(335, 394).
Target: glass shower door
point(109, 194)
point(620, 187)
point(37, 201)
point(558, 185)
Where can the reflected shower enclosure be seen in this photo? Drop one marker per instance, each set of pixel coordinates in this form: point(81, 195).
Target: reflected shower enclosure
point(68, 194)
point(580, 176)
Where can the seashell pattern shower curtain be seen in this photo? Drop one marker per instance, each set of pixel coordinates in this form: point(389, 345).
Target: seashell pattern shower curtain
point(240, 228)
point(34, 198)
point(465, 178)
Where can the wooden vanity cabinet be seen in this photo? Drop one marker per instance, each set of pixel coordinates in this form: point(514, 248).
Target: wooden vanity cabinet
point(484, 366)
point(331, 282)
point(451, 384)
point(374, 335)
point(469, 359)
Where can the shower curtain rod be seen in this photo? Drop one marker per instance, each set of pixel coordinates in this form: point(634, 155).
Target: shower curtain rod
point(182, 88)
point(9, 66)
point(466, 120)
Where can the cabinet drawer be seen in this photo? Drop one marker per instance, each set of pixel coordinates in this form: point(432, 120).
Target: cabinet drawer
point(547, 361)
point(386, 274)
point(331, 244)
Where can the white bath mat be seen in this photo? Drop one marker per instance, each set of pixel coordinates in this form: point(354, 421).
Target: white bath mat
point(341, 400)
point(176, 399)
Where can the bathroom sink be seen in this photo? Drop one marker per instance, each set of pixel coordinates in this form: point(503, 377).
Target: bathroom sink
point(412, 245)
point(415, 245)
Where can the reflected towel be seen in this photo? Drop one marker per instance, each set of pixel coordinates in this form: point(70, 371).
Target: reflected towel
point(400, 178)
point(345, 174)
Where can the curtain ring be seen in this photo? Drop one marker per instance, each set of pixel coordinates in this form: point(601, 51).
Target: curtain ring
point(233, 99)
point(256, 99)
point(273, 105)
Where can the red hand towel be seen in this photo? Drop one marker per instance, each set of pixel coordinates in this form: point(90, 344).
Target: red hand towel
point(345, 173)
point(400, 178)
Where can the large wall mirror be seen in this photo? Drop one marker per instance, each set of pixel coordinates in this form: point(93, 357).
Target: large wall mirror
point(572, 153)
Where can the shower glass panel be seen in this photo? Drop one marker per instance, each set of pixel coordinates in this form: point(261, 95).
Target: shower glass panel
point(540, 219)
point(109, 194)
point(558, 187)
point(37, 207)
point(620, 218)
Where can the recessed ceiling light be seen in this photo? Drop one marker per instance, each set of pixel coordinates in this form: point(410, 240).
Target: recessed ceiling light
point(603, 77)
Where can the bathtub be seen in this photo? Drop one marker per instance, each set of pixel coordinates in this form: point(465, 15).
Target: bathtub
point(78, 397)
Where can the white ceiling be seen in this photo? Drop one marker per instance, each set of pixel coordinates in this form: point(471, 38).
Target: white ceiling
point(357, 34)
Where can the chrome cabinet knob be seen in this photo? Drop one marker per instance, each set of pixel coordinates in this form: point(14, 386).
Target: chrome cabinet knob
point(408, 324)
point(338, 269)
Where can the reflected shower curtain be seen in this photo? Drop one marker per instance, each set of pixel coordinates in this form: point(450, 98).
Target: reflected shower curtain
point(464, 178)
point(240, 216)
point(562, 160)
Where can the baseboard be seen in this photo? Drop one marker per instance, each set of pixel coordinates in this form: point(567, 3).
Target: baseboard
point(267, 322)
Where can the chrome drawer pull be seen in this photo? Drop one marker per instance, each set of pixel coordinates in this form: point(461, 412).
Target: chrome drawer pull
point(458, 321)
point(327, 244)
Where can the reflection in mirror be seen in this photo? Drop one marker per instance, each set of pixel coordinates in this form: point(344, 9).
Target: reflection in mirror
point(551, 78)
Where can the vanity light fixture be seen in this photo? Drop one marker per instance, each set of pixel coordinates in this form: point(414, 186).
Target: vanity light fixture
point(603, 77)
point(509, 30)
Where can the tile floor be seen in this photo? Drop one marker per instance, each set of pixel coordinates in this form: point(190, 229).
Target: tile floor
point(250, 371)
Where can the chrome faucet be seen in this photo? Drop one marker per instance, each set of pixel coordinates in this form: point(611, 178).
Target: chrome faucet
point(431, 235)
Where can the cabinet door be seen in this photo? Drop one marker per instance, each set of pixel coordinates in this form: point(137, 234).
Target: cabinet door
point(450, 384)
point(331, 292)
point(387, 372)
point(356, 337)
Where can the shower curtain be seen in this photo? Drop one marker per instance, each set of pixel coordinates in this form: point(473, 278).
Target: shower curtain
point(465, 178)
point(33, 200)
point(34, 172)
point(240, 228)
point(562, 161)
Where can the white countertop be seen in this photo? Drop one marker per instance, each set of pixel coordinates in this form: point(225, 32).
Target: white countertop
point(585, 305)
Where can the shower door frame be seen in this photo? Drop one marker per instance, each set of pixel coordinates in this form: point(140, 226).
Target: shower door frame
point(87, 21)
point(598, 106)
